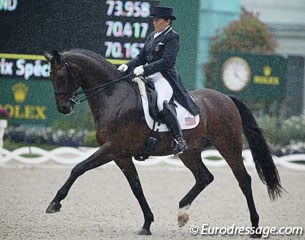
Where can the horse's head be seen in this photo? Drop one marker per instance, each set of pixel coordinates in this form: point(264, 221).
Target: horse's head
point(64, 81)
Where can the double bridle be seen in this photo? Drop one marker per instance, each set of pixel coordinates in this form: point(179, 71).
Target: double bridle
point(68, 68)
point(78, 96)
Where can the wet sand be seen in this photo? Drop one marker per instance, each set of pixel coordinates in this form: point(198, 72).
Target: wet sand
point(101, 205)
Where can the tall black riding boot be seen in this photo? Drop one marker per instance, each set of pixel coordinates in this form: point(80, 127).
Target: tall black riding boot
point(170, 119)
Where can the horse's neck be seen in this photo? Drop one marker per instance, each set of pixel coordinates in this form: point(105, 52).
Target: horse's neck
point(114, 103)
point(111, 103)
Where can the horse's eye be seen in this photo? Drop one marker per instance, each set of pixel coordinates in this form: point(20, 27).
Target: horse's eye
point(60, 78)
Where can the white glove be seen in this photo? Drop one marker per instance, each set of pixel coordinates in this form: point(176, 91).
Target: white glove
point(123, 68)
point(138, 70)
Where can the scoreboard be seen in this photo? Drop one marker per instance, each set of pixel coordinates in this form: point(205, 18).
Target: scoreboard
point(126, 28)
point(115, 29)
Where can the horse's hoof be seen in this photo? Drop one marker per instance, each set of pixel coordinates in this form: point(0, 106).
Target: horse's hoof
point(53, 207)
point(144, 231)
point(183, 216)
point(183, 219)
point(255, 235)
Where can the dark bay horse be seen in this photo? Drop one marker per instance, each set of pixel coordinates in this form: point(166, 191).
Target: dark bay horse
point(121, 131)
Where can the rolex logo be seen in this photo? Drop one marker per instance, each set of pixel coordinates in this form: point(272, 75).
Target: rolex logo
point(19, 91)
point(267, 71)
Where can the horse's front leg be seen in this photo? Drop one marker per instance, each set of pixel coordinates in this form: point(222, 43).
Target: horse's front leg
point(97, 159)
point(129, 170)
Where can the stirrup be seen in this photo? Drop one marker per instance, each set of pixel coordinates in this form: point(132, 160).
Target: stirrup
point(180, 146)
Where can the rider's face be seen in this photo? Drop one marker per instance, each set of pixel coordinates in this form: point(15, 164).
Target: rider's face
point(160, 24)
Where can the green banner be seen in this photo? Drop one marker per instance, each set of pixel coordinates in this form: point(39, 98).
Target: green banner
point(28, 101)
point(252, 76)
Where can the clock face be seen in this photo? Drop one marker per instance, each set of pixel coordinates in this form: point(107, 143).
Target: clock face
point(236, 73)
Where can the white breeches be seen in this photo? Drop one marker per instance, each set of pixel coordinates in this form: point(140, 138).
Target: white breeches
point(163, 89)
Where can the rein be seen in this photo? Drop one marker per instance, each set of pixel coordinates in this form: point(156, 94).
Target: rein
point(92, 91)
point(80, 96)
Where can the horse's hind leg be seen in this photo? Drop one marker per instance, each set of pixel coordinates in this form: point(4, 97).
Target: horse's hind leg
point(233, 156)
point(192, 160)
point(97, 159)
point(129, 170)
point(244, 181)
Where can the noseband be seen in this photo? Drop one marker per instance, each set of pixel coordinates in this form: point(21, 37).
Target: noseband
point(78, 96)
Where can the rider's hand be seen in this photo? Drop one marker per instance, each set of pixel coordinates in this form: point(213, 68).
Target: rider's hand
point(138, 70)
point(123, 68)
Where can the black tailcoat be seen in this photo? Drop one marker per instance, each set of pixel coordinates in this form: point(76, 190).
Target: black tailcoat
point(160, 56)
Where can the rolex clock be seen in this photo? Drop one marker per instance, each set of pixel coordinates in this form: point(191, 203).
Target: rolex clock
point(236, 73)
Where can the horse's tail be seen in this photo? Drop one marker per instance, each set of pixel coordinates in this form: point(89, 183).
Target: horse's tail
point(260, 151)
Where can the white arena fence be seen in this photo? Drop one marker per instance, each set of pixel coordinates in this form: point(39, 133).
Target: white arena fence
point(71, 156)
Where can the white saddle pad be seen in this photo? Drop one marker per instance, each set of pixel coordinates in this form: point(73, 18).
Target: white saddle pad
point(185, 118)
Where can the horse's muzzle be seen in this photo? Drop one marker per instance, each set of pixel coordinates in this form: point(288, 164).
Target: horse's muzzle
point(66, 108)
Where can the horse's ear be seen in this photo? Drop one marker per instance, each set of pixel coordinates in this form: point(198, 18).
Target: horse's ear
point(48, 55)
point(53, 55)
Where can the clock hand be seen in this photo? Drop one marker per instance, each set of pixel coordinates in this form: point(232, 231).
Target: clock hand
point(236, 74)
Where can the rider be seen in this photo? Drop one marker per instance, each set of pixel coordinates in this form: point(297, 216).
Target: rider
point(156, 61)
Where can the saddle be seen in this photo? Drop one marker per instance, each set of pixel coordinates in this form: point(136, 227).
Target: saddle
point(154, 120)
point(151, 112)
point(152, 101)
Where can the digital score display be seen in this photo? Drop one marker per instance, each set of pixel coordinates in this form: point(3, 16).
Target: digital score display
point(115, 29)
point(126, 27)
